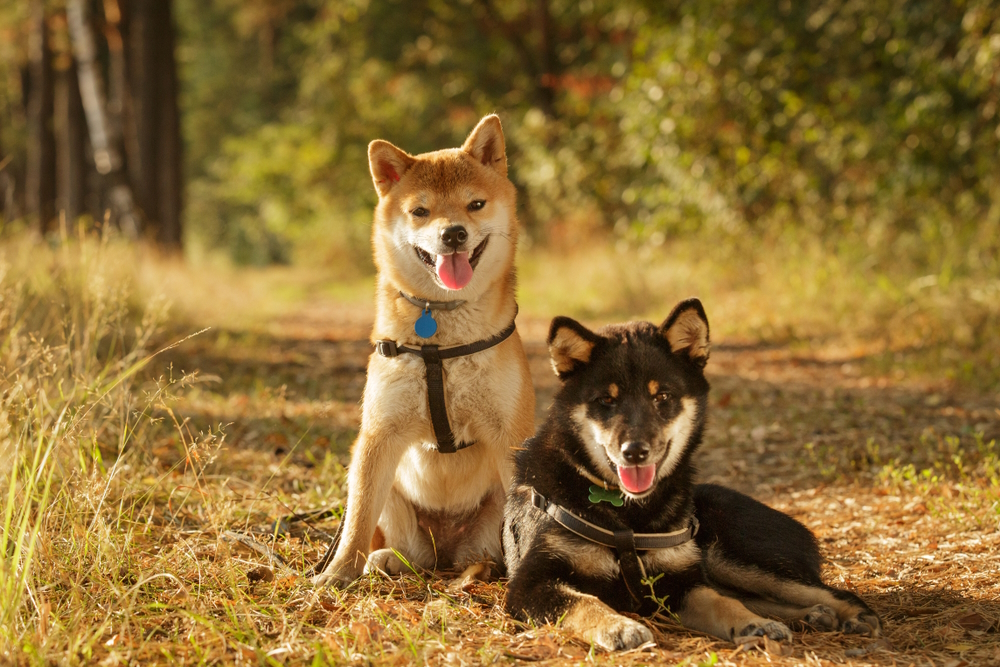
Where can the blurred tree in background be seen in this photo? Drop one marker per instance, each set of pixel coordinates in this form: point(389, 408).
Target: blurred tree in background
point(89, 119)
point(873, 122)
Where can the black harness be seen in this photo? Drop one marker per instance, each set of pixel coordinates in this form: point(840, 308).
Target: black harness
point(626, 543)
point(433, 356)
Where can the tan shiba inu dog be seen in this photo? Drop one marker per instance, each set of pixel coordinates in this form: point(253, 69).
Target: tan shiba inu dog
point(444, 237)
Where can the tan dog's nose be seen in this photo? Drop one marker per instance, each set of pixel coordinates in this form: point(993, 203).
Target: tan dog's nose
point(454, 236)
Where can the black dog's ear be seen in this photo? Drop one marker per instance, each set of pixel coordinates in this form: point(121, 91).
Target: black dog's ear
point(570, 345)
point(686, 330)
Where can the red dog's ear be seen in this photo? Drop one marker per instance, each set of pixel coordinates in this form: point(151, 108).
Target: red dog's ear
point(486, 144)
point(388, 164)
point(686, 330)
point(570, 345)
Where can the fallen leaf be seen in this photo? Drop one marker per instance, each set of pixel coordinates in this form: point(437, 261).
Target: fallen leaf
point(960, 648)
point(918, 611)
point(261, 573)
point(365, 633)
point(973, 621)
point(877, 645)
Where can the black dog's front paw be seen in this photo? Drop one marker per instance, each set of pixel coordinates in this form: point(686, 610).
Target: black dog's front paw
point(763, 627)
point(865, 623)
point(618, 633)
point(822, 618)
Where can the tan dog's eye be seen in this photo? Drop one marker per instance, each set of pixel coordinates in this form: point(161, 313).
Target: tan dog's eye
point(420, 212)
point(476, 204)
point(661, 396)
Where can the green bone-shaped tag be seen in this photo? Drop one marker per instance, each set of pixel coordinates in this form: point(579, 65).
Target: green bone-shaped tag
point(597, 494)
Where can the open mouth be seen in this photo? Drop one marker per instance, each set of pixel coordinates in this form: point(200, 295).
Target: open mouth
point(638, 480)
point(454, 270)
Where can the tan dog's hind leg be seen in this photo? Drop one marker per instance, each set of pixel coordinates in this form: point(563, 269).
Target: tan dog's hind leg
point(599, 624)
point(483, 541)
point(369, 480)
point(709, 611)
point(398, 523)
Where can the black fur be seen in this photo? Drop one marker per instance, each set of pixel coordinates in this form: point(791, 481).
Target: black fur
point(611, 387)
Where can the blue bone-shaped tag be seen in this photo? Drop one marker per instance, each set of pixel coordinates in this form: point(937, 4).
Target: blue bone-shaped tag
point(597, 494)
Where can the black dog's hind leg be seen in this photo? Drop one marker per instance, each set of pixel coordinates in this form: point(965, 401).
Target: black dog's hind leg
point(772, 562)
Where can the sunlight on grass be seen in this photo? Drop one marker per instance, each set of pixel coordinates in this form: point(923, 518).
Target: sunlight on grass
point(127, 463)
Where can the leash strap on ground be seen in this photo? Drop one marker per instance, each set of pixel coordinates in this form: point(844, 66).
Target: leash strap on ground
point(434, 373)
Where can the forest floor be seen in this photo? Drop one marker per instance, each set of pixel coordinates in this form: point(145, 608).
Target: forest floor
point(164, 549)
point(856, 458)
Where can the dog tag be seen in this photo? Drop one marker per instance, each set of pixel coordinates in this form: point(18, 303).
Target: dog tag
point(425, 325)
point(597, 494)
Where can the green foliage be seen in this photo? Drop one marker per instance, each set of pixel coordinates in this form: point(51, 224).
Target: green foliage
point(867, 121)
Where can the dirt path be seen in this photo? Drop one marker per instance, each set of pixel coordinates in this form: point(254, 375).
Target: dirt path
point(803, 431)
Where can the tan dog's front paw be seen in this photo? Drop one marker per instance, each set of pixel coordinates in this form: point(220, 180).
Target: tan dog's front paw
point(618, 633)
point(386, 562)
point(336, 577)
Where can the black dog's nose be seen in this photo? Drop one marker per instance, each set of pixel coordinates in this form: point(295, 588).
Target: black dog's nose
point(454, 236)
point(635, 452)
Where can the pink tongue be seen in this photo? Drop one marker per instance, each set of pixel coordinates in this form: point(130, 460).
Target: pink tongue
point(454, 270)
point(636, 479)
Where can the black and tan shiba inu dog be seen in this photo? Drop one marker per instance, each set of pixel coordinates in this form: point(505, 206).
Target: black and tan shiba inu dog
point(604, 515)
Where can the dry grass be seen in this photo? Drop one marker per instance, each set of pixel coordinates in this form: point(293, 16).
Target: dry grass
point(139, 491)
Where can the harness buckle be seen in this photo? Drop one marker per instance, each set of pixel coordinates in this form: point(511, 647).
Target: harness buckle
point(386, 348)
point(538, 500)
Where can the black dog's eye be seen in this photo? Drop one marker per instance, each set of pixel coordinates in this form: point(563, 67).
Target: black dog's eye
point(607, 401)
point(420, 212)
point(476, 204)
point(661, 396)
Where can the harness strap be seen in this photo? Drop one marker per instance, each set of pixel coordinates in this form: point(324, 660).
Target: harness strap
point(628, 560)
point(625, 542)
point(434, 374)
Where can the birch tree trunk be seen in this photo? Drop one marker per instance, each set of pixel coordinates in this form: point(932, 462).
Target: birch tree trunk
point(107, 153)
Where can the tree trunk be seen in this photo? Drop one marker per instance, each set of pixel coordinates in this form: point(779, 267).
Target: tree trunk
point(40, 176)
point(546, 59)
point(155, 166)
point(7, 212)
point(71, 156)
point(107, 153)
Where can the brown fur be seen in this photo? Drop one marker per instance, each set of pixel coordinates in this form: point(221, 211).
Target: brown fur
point(397, 480)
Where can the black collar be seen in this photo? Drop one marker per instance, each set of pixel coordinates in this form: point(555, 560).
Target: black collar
point(431, 305)
point(433, 356)
point(604, 537)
